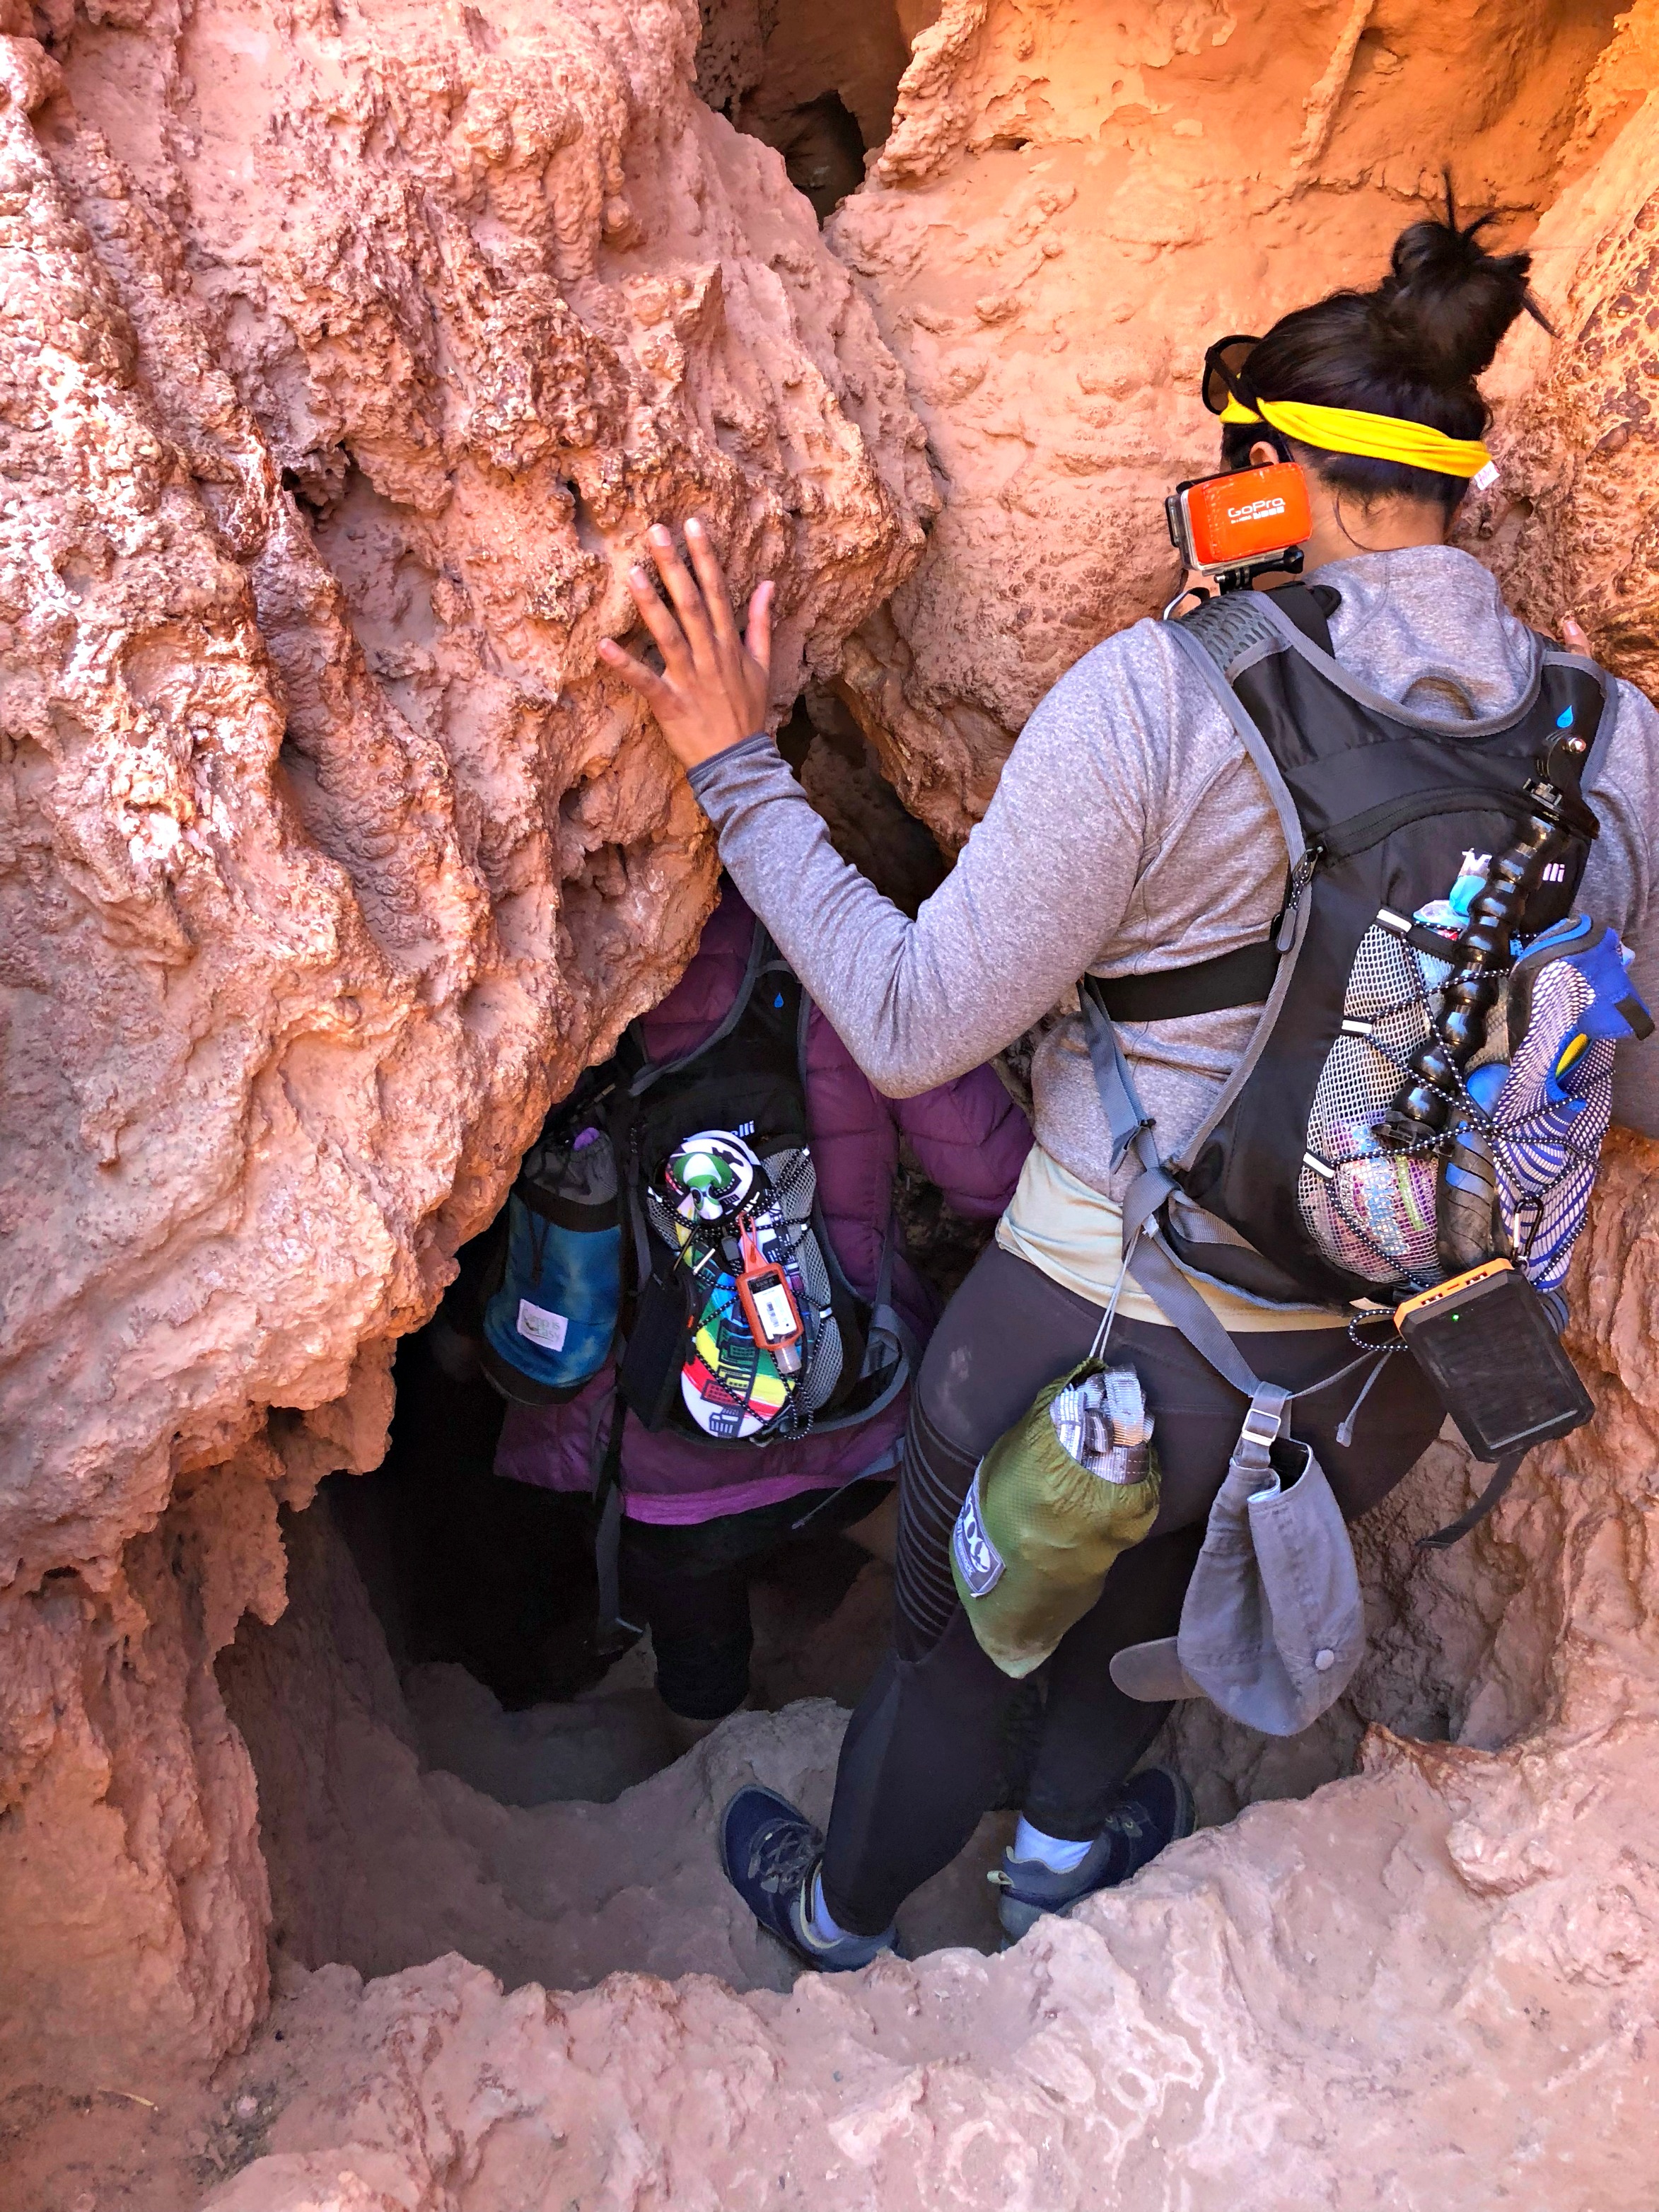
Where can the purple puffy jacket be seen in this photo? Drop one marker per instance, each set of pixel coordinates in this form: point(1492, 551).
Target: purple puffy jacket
point(969, 1136)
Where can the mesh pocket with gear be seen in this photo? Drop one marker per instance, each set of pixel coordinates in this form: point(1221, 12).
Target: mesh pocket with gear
point(1370, 1208)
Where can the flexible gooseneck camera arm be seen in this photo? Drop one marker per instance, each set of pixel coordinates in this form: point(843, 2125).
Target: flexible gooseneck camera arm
point(1432, 1094)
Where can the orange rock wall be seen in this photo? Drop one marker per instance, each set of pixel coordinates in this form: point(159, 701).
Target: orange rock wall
point(1573, 525)
point(1074, 201)
point(345, 357)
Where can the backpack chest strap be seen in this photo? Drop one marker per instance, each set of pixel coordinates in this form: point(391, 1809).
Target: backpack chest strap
point(1243, 977)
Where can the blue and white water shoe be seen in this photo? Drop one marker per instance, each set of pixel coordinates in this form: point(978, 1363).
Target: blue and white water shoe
point(1153, 1808)
point(769, 1853)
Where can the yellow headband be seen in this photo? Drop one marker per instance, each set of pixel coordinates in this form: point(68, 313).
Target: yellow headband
point(1378, 437)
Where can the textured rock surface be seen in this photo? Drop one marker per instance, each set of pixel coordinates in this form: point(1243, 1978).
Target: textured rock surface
point(1430, 1984)
point(1073, 202)
point(346, 357)
point(1571, 527)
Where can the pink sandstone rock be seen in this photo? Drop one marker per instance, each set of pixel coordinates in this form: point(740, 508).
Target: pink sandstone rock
point(1073, 204)
point(1570, 525)
point(346, 360)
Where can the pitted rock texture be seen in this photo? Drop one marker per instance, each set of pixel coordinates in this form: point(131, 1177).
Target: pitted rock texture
point(1432, 1983)
point(347, 356)
point(1073, 204)
point(1572, 526)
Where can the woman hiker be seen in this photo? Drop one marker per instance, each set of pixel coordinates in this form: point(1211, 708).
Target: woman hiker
point(1130, 833)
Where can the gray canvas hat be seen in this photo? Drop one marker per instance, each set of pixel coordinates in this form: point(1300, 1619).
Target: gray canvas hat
point(1272, 1626)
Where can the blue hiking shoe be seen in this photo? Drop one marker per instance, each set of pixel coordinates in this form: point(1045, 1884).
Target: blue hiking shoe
point(1154, 1808)
point(769, 1853)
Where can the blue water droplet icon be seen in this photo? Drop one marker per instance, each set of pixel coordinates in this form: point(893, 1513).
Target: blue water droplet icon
point(1563, 721)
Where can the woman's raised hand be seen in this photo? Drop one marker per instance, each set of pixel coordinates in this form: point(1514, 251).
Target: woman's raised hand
point(714, 686)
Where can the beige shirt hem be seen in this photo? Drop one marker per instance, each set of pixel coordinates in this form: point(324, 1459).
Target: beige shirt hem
point(1075, 1235)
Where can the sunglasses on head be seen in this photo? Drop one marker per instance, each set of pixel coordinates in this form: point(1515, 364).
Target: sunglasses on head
point(1224, 370)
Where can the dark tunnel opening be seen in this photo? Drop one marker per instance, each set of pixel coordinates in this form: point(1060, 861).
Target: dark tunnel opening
point(484, 1587)
point(818, 85)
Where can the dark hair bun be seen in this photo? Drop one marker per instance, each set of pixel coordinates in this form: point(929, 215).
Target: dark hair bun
point(1412, 349)
point(1446, 302)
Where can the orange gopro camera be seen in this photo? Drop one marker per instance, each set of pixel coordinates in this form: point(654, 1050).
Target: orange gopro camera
point(1246, 519)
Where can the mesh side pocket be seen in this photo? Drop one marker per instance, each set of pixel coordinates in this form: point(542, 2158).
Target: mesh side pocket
point(794, 1188)
point(1369, 1210)
point(795, 1181)
point(663, 1219)
point(1372, 1210)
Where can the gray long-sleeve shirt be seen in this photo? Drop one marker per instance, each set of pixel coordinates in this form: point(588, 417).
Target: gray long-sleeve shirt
point(1130, 832)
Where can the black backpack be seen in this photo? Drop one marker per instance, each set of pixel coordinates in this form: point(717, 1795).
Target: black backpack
point(1381, 806)
point(686, 1336)
point(1385, 812)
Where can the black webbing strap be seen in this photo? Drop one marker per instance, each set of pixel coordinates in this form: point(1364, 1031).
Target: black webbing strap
point(1310, 607)
point(612, 1633)
point(1240, 978)
point(1503, 1475)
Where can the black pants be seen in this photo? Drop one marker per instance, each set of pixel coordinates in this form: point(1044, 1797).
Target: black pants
point(690, 1587)
point(925, 1752)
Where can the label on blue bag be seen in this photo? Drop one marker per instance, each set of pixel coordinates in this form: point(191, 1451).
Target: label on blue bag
point(977, 1557)
point(542, 1326)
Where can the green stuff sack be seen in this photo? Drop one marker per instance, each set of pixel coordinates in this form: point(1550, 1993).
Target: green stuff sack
point(1039, 1527)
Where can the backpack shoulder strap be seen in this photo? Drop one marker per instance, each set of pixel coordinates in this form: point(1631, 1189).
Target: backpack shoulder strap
point(1215, 646)
point(1226, 627)
point(1576, 664)
point(1229, 630)
point(1234, 623)
point(891, 1345)
point(762, 953)
point(1310, 607)
point(1216, 637)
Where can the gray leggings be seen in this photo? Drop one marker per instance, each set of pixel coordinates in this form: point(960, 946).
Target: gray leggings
point(924, 1753)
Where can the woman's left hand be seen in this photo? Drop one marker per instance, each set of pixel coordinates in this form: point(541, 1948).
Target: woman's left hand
point(714, 686)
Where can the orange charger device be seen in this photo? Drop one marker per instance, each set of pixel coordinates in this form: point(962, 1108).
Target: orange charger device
point(1245, 519)
point(768, 1305)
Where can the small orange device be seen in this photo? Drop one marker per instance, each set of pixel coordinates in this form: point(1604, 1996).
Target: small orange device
point(1234, 525)
point(769, 1304)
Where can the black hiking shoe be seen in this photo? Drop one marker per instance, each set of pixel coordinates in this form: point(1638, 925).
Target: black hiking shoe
point(769, 1853)
point(1154, 1808)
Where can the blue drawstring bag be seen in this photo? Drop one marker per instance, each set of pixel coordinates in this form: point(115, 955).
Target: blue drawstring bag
point(548, 1329)
point(1540, 1089)
point(1570, 1001)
